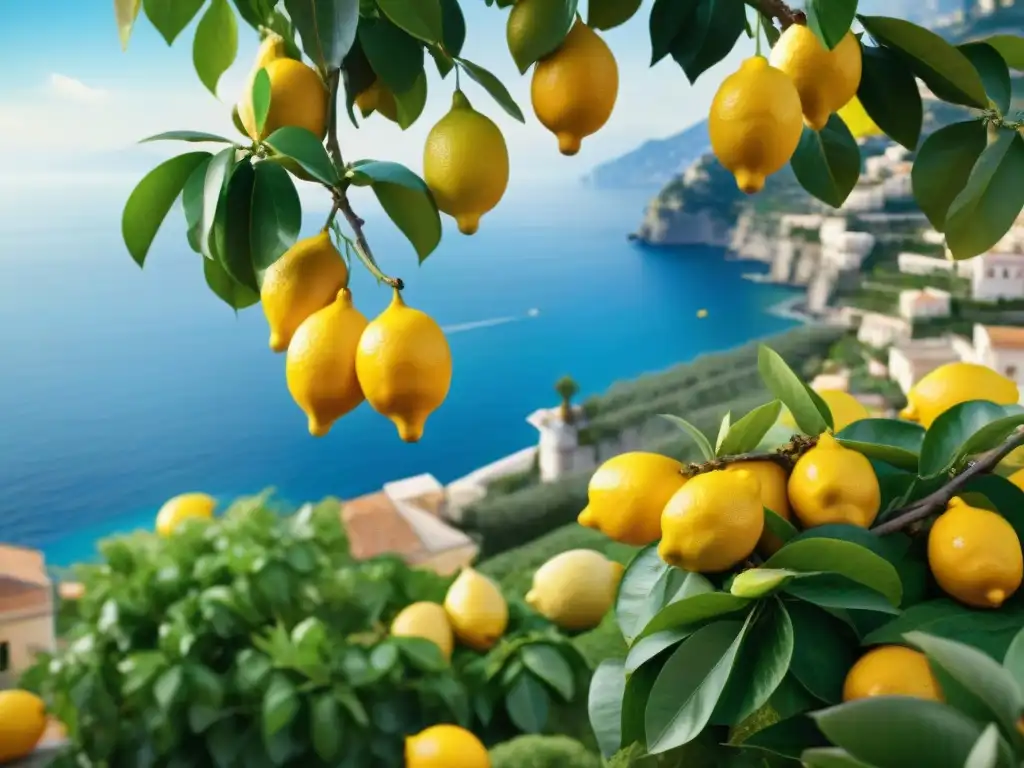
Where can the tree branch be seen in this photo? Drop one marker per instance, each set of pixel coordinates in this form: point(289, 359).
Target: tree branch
point(937, 501)
point(778, 10)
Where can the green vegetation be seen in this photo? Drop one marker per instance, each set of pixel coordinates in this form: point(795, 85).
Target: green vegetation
point(543, 752)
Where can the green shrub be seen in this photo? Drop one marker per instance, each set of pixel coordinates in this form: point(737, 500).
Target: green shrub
point(543, 752)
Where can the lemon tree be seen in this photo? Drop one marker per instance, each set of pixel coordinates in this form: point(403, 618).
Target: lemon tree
point(882, 622)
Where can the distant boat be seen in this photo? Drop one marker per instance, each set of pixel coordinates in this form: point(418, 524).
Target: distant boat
point(702, 313)
point(533, 312)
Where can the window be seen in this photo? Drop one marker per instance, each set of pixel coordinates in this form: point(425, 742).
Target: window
point(1011, 372)
point(1006, 273)
point(5, 656)
point(990, 272)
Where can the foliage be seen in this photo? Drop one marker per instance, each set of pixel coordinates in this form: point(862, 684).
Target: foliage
point(256, 640)
point(543, 752)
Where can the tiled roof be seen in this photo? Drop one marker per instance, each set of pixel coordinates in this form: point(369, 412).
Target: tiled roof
point(375, 527)
point(1005, 336)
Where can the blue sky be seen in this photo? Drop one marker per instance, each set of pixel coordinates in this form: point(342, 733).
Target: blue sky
point(79, 103)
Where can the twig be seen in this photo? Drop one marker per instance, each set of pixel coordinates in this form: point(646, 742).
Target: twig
point(777, 9)
point(938, 500)
point(362, 248)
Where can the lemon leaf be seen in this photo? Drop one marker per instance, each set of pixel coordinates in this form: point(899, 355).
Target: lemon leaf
point(194, 137)
point(275, 215)
point(453, 23)
point(608, 14)
point(604, 705)
point(394, 55)
point(306, 150)
point(668, 18)
point(723, 430)
point(327, 29)
point(791, 737)
point(995, 75)
point(747, 433)
point(215, 44)
point(895, 442)
point(709, 36)
point(830, 20)
point(845, 558)
point(536, 29)
point(528, 703)
point(409, 104)
point(226, 288)
point(703, 444)
point(778, 525)
point(827, 162)
point(946, 438)
point(170, 17)
point(1013, 662)
point(943, 165)
point(811, 415)
point(493, 86)
point(421, 18)
point(261, 99)
point(889, 94)
point(824, 649)
point(1010, 47)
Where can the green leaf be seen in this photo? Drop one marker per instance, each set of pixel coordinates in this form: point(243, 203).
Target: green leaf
point(889, 94)
point(1001, 496)
point(261, 99)
point(215, 183)
point(493, 86)
point(1010, 47)
point(405, 198)
point(232, 228)
point(534, 31)
point(604, 705)
point(945, 439)
point(396, 56)
point(195, 137)
point(305, 149)
point(152, 198)
point(608, 14)
point(215, 45)
point(528, 704)
point(423, 654)
point(943, 165)
point(827, 162)
point(985, 752)
point(844, 558)
point(453, 23)
point(1014, 660)
point(168, 688)
point(759, 582)
point(779, 526)
point(421, 19)
point(709, 36)
point(829, 590)
point(694, 610)
point(788, 737)
point(991, 200)
point(824, 649)
point(326, 726)
point(792, 698)
point(689, 686)
point(280, 705)
point(409, 104)
point(125, 13)
point(550, 667)
point(723, 430)
point(170, 17)
point(327, 28)
point(830, 757)
point(226, 288)
point(895, 442)
point(893, 547)
point(830, 20)
point(652, 646)
point(945, 70)
point(746, 434)
point(993, 70)
point(786, 386)
point(276, 215)
point(771, 32)
point(668, 19)
point(703, 444)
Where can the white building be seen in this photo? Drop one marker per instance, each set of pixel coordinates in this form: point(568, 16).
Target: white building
point(559, 447)
point(909, 361)
point(898, 186)
point(878, 330)
point(919, 264)
point(996, 275)
point(918, 304)
point(1001, 348)
point(845, 250)
point(933, 237)
point(865, 198)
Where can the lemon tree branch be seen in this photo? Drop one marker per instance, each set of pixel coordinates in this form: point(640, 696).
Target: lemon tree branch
point(776, 9)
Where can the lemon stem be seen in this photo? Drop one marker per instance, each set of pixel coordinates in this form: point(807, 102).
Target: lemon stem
point(757, 35)
point(777, 9)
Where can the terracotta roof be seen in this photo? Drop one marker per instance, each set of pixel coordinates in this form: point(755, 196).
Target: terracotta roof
point(1005, 336)
point(375, 527)
point(435, 502)
point(23, 565)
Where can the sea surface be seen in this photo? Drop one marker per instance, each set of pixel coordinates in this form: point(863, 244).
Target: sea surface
point(122, 387)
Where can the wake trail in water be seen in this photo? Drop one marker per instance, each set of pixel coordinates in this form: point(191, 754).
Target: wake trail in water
point(489, 323)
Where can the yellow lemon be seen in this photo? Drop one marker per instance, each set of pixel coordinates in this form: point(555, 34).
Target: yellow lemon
point(627, 495)
point(858, 120)
point(297, 98)
point(574, 89)
point(975, 555)
point(378, 98)
point(22, 724)
point(575, 589)
point(845, 409)
point(956, 383)
point(833, 484)
point(465, 164)
point(755, 123)
point(304, 280)
point(184, 507)
point(445, 746)
point(404, 366)
point(826, 80)
point(772, 480)
point(1017, 478)
point(891, 670)
point(427, 621)
point(476, 609)
point(321, 363)
point(713, 522)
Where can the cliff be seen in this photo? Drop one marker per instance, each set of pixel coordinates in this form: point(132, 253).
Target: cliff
point(654, 163)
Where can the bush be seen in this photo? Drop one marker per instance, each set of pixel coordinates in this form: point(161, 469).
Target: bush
point(543, 752)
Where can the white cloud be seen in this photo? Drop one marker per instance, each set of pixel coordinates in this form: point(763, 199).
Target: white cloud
point(70, 89)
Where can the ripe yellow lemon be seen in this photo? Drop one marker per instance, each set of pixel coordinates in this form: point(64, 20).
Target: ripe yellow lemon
point(833, 484)
point(404, 366)
point(22, 724)
point(574, 89)
point(575, 589)
point(975, 555)
point(476, 609)
point(858, 120)
point(465, 164)
point(956, 383)
point(713, 522)
point(826, 80)
point(427, 621)
point(772, 480)
point(845, 409)
point(891, 670)
point(755, 123)
point(304, 280)
point(297, 98)
point(445, 746)
point(378, 98)
point(627, 494)
point(184, 507)
point(320, 366)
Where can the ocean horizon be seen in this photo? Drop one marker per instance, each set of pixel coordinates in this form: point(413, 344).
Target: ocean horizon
point(123, 387)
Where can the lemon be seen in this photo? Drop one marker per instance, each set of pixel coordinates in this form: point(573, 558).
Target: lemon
point(575, 589)
point(955, 383)
point(321, 363)
point(297, 98)
point(833, 484)
point(304, 280)
point(378, 98)
point(975, 555)
point(574, 89)
point(755, 123)
point(184, 507)
point(772, 480)
point(1017, 478)
point(891, 670)
point(404, 366)
point(627, 495)
point(845, 409)
point(465, 164)
point(22, 724)
point(445, 746)
point(826, 80)
point(476, 609)
point(858, 120)
point(713, 522)
point(427, 621)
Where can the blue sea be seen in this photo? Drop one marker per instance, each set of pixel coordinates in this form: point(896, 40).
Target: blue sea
point(122, 387)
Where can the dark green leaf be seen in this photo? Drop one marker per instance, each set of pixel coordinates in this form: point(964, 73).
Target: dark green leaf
point(703, 444)
point(639, 685)
point(993, 70)
point(647, 586)
point(985, 752)
point(893, 547)
point(232, 293)
point(195, 137)
point(395, 56)
point(550, 667)
point(218, 172)
point(305, 149)
point(889, 94)
point(139, 669)
point(745, 435)
point(771, 32)
point(943, 442)
point(233, 224)
point(991, 200)
point(827, 162)
point(943, 165)
point(152, 198)
point(788, 737)
point(791, 698)
point(422, 18)
point(694, 610)
point(668, 20)
point(168, 688)
point(1010, 47)
point(830, 20)
point(170, 17)
point(425, 655)
point(651, 646)
point(1014, 659)
point(895, 442)
point(709, 36)
point(493, 86)
point(829, 590)
point(945, 70)
point(608, 14)
point(824, 649)
point(528, 704)
point(405, 198)
point(276, 215)
point(205, 686)
point(831, 757)
point(280, 705)
point(261, 99)
point(538, 29)
point(1002, 496)
point(604, 705)
point(326, 727)
point(844, 558)
point(786, 386)
point(327, 28)
point(454, 24)
point(992, 435)
point(215, 45)
point(991, 632)
point(779, 526)
point(409, 104)
point(384, 658)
